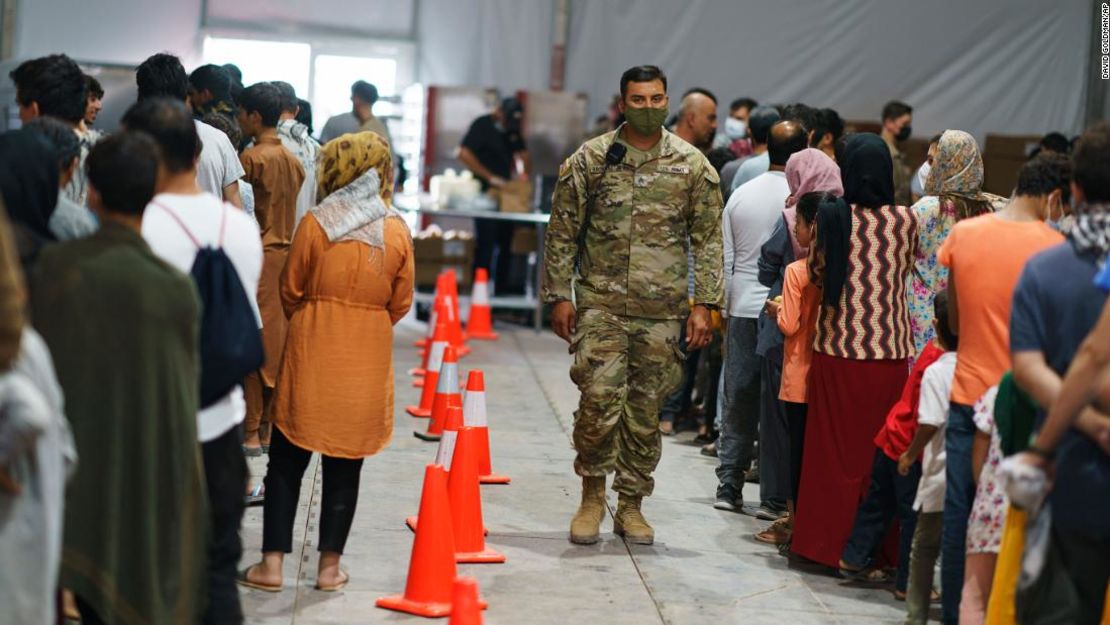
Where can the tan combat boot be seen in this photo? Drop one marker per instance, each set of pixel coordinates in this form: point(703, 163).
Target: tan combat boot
point(630, 522)
point(585, 527)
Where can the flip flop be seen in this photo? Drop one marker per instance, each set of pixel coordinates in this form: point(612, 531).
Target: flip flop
point(252, 452)
point(335, 587)
point(257, 496)
point(243, 581)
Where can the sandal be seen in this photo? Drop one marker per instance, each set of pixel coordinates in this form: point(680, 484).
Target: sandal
point(866, 575)
point(934, 596)
point(342, 583)
point(243, 581)
point(777, 533)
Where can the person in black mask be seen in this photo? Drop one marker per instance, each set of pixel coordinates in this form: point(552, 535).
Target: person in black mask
point(897, 127)
point(494, 150)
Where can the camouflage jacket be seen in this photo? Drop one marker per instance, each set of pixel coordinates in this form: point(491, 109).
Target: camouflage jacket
point(648, 211)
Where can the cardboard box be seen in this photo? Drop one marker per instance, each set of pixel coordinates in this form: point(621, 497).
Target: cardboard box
point(1003, 156)
point(438, 252)
point(515, 197)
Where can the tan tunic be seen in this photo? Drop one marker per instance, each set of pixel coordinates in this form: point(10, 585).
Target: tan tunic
point(276, 176)
point(334, 391)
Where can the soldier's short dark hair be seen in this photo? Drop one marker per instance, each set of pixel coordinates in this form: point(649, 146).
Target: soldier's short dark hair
point(895, 109)
point(1091, 163)
point(265, 99)
point(642, 73)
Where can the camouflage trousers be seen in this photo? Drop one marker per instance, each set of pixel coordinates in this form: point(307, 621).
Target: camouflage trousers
point(625, 367)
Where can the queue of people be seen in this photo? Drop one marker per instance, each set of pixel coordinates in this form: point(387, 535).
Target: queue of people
point(133, 283)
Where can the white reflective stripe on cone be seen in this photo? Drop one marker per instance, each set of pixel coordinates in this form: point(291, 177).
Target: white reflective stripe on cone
point(435, 359)
point(474, 409)
point(479, 295)
point(452, 309)
point(432, 323)
point(448, 379)
point(446, 451)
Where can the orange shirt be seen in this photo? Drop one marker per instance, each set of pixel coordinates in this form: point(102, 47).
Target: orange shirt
point(985, 255)
point(276, 176)
point(798, 322)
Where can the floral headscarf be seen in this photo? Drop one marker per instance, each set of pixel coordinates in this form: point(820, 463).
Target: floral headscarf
point(957, 167)
point(806, 171)
point(348, 157)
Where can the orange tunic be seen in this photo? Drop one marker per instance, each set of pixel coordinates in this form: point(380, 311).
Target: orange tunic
point(276, 176)
point(334, 391)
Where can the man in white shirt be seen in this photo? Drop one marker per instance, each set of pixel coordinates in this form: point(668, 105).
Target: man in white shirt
point(179, 218)
point(294, 136)
point(749, 218)
point(218, 168)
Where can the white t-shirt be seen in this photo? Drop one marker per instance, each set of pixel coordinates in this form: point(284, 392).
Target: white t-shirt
point(218, 165)
point(932, 409)
point(202, 215)
point(750, 217)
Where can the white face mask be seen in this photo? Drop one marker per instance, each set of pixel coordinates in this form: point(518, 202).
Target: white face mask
point(735, 128)
point(917, 185)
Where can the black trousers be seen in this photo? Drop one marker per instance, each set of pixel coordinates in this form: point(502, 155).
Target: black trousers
point(283, 490)
point(1071, 589)
point(225, 469)
point(796, 418)
point(493, 242)
point(889, 495)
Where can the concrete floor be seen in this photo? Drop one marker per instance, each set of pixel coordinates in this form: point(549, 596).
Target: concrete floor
point(703, 568)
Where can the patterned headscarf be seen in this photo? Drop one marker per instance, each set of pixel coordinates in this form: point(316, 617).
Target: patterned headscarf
point(354, 187)
point(347, 157)
point(806, 171)
point(957, 167)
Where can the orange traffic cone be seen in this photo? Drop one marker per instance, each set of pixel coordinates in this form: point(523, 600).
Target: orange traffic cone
point(431, 378)
point(480, 324)
point(446, 395)
point(422, 371)
point(446, 448)
point(465, 609)
point(428, 337)
point(454, 325)
point(466, 503)
point(428, 591)
point(433, 316)
point(474, 415)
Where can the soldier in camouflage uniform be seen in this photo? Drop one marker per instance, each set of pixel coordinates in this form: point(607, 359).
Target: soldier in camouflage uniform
point(616, 273)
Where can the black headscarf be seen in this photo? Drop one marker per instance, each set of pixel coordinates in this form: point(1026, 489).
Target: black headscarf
point(867, 171)
point(29, 184)
point(868, 176)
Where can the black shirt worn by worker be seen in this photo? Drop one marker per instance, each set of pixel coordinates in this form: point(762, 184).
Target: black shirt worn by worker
point(494, 148)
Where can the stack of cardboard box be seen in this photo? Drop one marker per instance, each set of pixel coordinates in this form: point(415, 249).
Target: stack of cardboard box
point(436, 250)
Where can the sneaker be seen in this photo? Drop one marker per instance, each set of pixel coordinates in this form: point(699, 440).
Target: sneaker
point(727, 497)
point(764, 512)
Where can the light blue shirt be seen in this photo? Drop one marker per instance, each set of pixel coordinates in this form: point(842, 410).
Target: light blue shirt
point(751, 169)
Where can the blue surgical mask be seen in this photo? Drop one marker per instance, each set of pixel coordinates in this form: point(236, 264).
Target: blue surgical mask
point(735, 128)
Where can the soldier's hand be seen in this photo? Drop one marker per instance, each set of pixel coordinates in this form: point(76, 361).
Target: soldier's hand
point(698, 328)
point(564, 320)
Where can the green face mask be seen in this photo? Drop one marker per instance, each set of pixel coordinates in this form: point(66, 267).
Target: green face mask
point(646, 121)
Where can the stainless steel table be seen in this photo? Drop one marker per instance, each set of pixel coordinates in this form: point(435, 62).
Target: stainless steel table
point(531, 300)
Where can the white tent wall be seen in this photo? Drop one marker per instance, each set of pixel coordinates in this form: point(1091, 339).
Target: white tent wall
point(486, 43)
point(1013, 66)
point(108, 31)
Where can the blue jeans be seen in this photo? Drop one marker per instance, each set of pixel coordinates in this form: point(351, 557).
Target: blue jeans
point(740, 422)
point(890, 495)
point(959, 493)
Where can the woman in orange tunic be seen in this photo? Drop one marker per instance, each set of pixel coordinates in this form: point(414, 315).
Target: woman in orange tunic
point(348, 279)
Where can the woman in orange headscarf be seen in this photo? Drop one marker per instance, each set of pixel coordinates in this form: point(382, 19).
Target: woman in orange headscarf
point(348, 279)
